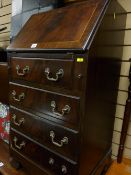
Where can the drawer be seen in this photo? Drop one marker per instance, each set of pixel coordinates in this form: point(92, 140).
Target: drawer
point(30, 167)
point(49, 73)
point(44, 158)
point(47, 133)
point(65, 108)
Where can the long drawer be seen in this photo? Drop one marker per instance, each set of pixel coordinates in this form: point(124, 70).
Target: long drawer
point(49, 73)
point(65, 108)
point(44, 158)
point(50, 134)
point(28, 165)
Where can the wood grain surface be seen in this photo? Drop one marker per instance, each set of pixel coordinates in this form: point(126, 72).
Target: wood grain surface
point(64, 28)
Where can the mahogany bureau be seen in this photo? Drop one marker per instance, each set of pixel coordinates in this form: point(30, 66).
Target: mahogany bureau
point(63, 89)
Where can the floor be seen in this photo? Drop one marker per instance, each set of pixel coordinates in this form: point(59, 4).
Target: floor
point(115, 169)
point(120, 169)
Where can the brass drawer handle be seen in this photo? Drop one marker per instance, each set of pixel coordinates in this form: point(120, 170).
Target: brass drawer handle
point(24, 71)
point(65, 110)
point(19, 123)
point(64, 169)
point(62, 142)
point(18, 146)
point(59, 74)
point(51, 161)
point(19, 98)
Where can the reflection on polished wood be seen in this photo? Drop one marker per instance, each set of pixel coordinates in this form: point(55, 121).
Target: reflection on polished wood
point(4, 82)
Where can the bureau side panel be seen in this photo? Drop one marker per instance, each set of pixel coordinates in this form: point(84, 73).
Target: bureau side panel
point(101, 93)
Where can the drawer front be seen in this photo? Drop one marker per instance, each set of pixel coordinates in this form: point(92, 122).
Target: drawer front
point(50, 161)
point(61, 107)
point(30, 167)
point(49, 73)
point(47, 133)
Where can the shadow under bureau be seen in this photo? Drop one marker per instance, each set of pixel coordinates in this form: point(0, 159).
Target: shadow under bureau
point(63, 89)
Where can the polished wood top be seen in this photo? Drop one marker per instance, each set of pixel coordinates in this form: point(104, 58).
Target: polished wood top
point(67, 28)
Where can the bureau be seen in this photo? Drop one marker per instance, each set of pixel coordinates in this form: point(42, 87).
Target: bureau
point(64, 78)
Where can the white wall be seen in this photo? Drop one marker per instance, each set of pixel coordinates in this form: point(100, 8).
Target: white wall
point(123, 85)
point(5, 18)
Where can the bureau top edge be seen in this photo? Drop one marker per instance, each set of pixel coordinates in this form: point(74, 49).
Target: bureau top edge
point(70, 28)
